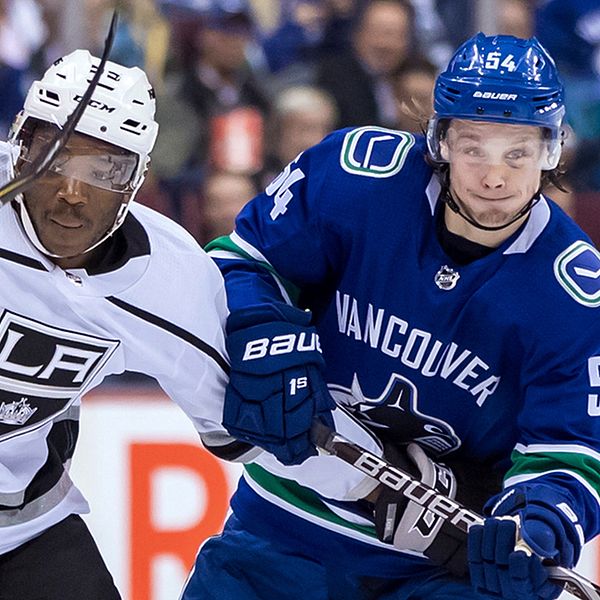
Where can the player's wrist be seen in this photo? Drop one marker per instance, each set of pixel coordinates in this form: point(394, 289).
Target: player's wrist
point(259, 314)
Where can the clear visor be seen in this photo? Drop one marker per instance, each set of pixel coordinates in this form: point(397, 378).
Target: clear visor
point(475, 144)
point(106, 170)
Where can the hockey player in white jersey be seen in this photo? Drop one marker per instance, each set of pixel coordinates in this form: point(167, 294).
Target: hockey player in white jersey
point(91, 284)
point(453, 315)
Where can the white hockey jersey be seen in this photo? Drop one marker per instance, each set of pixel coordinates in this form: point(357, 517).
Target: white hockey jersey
point(159, 310)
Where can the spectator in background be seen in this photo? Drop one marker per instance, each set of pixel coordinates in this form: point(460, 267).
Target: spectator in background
point(223, 196)
point(299, 35)
point(22, 32)
point(302, 116)
point(515, 17)
point(458, 18)
point(308, 30)
point(413, 88)
point(432, 32)
point(360, 80)
point(213, 107)
point(219, 75)
point(569, 29)
point(142, 38)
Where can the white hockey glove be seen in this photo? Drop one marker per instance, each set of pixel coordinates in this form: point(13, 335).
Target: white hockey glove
point(408, 526)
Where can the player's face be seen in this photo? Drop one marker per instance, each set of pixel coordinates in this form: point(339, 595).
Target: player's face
point(495, 170)
point(70, 214)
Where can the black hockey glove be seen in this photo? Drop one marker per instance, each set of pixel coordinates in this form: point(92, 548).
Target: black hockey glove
point(276, 386)
point(408, 526)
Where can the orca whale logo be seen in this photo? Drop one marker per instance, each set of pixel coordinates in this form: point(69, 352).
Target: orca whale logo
point(395, 416)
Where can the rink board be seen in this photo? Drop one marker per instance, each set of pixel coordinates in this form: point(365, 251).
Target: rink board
point(155, 493)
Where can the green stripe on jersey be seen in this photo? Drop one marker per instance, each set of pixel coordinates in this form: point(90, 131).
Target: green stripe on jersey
point(225, 243)
point(538, 463)
point(301, 497)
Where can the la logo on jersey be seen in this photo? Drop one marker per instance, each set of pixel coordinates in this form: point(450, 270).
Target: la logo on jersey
point(43, 369)
point(578, 271)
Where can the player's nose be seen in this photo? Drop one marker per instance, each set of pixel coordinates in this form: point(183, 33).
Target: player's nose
point(72, 190)
point(494, 176)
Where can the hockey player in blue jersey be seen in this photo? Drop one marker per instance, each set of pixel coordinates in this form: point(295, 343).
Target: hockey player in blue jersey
point(450, 309)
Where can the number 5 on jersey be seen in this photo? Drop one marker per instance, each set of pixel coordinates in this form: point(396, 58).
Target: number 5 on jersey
point(594, 373)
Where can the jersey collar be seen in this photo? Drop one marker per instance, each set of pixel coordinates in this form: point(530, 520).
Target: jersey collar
point(533, 228)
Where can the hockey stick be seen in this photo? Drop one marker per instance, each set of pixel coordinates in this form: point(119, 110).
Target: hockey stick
point(461, 517)
point(44, 160)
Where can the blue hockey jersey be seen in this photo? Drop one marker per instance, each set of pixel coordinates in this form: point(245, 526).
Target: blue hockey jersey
point(496, 362)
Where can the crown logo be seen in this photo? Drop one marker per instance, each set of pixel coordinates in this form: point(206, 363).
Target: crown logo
point(17, 412)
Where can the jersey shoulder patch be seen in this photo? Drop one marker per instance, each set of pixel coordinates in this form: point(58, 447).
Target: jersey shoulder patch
point(375, 151)
point(578, 271)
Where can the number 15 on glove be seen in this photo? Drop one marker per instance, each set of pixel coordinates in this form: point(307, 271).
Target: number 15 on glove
point(276, 385)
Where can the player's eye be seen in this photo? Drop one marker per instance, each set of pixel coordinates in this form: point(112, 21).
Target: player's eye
point(104, 170)
point(59, 163)
point(517, 154)
point(521, 156)
point(473, 151)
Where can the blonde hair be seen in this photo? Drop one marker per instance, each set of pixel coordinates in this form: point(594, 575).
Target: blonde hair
point(303, 98)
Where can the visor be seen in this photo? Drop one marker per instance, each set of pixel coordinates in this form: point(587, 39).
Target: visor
point(112, 171)
point(519, 147)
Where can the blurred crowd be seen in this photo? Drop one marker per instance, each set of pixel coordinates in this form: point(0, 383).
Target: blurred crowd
point(243, 86)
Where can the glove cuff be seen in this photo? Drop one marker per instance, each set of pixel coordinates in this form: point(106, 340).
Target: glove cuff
point(267, 313)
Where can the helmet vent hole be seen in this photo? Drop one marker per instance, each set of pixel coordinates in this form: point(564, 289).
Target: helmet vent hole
point(450, 98)
point(103, 128)
point(49, 97)
point(133, 126)
point(479, 110)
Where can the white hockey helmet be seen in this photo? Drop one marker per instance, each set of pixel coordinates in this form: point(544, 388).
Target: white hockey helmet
point(120, 112)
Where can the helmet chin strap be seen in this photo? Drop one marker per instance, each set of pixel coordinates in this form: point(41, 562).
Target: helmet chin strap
point(27, 223)
point(35, 240)
point(447, 198)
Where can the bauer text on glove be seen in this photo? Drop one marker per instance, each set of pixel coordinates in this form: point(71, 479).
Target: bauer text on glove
point(276, 384)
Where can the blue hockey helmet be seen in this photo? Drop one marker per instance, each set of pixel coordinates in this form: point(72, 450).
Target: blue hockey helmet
point(503, 79)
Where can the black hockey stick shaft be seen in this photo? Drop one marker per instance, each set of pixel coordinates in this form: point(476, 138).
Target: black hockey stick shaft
point(23, 181)
point(430, 499)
